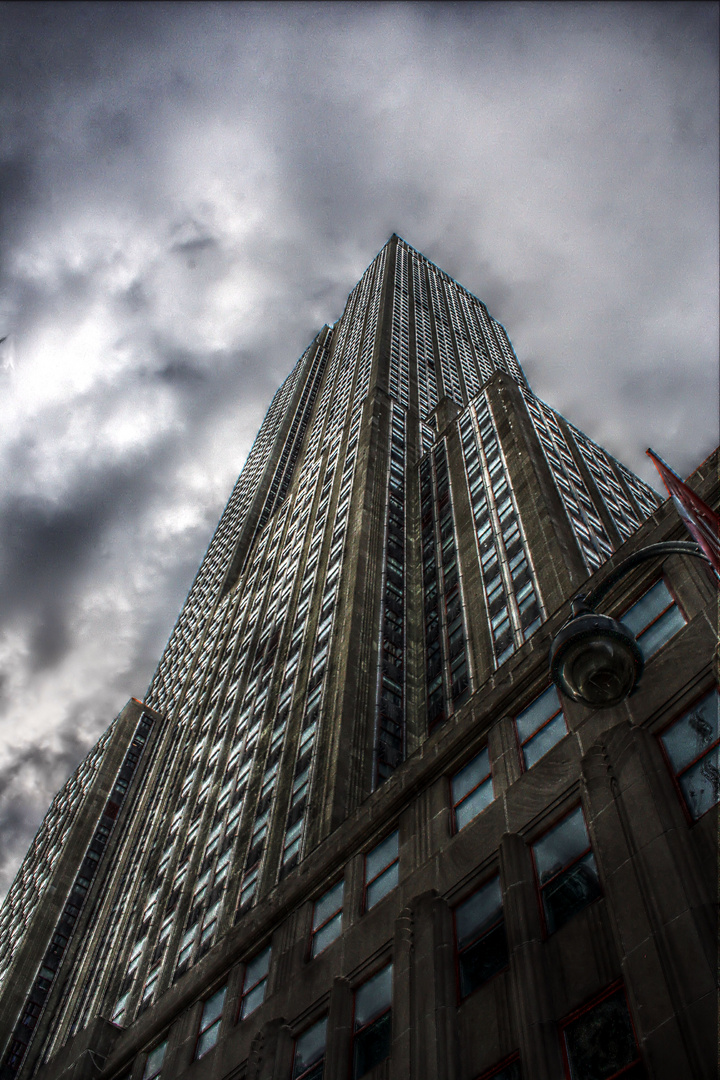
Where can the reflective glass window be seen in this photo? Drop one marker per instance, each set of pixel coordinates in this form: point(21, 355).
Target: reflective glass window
point(372, 1022)
point(508, 1070)
point(381, 869)
point(654, 618)
point(600, 1044)
point(566, 870)
point(327, 918)
point(691, 745)
point(154, 1061)
point(253, 993)
point(472, 789)
point(210, 1022)
point(540, 726)
point(480, 937)
point(309, 1058)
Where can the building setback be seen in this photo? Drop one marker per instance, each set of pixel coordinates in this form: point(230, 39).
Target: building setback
point(352, 830)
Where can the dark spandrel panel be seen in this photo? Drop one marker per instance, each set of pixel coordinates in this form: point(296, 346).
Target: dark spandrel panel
point(571, 892)
point(372, 1046)
point(693, 733)
point(561, 845)
point(701, 783)
point(483, 960)
point(601, 1042)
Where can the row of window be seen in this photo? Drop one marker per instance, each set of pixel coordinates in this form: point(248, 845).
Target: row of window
point(598, 1040)
point(390, 742)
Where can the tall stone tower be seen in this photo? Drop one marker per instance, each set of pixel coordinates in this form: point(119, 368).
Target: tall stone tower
point(409, 517)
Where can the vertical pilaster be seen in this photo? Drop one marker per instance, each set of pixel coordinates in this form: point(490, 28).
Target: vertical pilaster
point(531, 987)
point(660, 914)
point(337, 1052)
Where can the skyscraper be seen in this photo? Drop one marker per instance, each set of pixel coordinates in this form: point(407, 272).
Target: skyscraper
point(410, 518)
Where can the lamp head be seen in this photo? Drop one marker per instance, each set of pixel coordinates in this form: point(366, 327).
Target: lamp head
point(595, 659)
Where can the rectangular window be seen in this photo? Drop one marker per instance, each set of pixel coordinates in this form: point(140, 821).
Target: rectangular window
point(566, 870)
point(540, 726)
point(654, 618)
point(691, 746)
point(154, 1062)
point(480, 937)
point(309, 1057)
point(509, 1069)
point(210, 1023)
point(327, 918)
point(381, 870)
point(472, 789)
point(600, 1041)
point(372, 1022)
point(187, 945)
point(253, 993)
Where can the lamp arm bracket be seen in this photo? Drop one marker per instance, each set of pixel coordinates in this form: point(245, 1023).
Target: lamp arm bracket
point(652, 551)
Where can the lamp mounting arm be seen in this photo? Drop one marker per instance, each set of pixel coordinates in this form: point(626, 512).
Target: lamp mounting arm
point(667, 547)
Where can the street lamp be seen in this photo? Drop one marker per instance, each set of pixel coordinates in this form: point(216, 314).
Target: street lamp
point(595, 659)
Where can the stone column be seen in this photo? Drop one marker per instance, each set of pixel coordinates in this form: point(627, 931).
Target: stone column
point(337, 1052)
point(424, 1006)
point(530, 985)
point(656, 898)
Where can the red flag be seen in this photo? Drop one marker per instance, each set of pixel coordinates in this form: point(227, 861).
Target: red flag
point(701, 522)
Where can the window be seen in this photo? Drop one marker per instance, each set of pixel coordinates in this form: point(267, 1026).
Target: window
point(472, 789)
point(480, 937)
point(309, 1058)
point(186, 945)
point(253, 993)
point(507, 1070)
point(654, 618)
point(540, 726)
point(119, 1010)
point(381, 870)
point(210, 1023)
point(599, 1042)
point(327, 918)
point(153, 1065)
point(691, 746)
point(566, 870)
point(372, 1022)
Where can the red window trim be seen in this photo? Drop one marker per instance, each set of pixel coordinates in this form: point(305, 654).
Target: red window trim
point(373, 1020)
point(380, 872)
point(495, 1069)
point(314, 932)
point(295, 1042)
point(217, 1020)
point(538, 887)
point(673, 775)
point(247, 989)
point(457, 950)
point(587, 1007)
point(523, 767)
point(454, 805)
point(639, 597)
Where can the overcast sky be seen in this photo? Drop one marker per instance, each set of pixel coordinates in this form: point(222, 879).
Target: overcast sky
point(188, 192)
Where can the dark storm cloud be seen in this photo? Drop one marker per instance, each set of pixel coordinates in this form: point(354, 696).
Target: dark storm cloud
point(188, 192)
